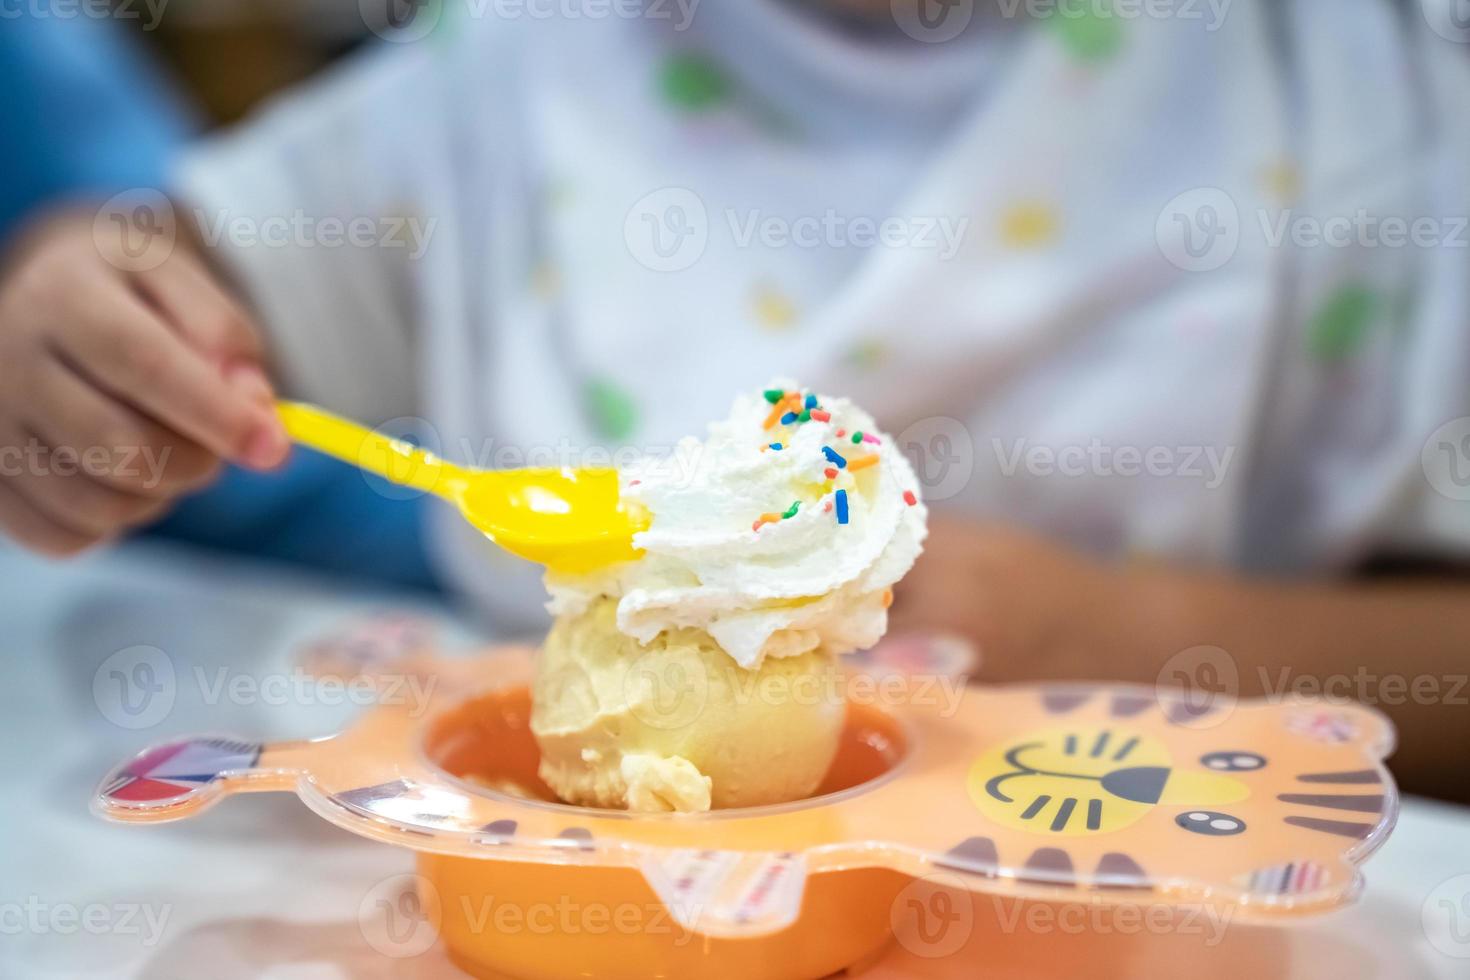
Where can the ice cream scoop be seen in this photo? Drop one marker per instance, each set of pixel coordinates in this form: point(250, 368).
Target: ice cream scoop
point(772, 550)
point(676, 724)
point(571, 520)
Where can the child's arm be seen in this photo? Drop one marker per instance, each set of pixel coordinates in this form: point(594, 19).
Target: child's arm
point(1038, 611)
point(318, 214)
point(120, 389)
point(1400, 644)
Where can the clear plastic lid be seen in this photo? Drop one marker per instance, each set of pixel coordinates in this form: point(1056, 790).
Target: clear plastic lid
point(1124, 792)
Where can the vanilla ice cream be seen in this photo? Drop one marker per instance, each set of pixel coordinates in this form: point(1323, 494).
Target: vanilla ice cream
point(773, 548)
point(675, 724)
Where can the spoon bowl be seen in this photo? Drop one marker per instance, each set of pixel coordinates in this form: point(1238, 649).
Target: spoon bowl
point(570, 519)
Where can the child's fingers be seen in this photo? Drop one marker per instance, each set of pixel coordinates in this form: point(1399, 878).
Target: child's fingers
point(34, 530)
point(194, 304)
point(122, 448)
point(54, 484)
point(118, 342)
point(204, 314)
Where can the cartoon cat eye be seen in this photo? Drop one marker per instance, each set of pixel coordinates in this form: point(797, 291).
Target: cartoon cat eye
point(1233, 761)
point(1210, 823)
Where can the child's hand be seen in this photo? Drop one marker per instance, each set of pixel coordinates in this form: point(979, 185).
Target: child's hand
point(1032, 608)
point(119, 390)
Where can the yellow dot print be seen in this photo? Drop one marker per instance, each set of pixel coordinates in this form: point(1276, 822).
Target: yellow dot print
point(1029, 224)
point(1282, 180)
point(867, 354)
point(774, 310)
point(545, 281)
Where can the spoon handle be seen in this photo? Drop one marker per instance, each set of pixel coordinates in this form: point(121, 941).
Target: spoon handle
point(394, 460)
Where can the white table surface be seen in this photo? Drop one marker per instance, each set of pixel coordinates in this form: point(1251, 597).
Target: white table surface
point(260, 887)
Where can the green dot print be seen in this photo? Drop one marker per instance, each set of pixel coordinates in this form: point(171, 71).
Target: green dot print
point(693, 82)
point(610, 409)
point(1089, 34)
point(1342, 325)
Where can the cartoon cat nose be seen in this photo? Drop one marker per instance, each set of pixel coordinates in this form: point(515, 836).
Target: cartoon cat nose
point(1140, 784)
point(1159, 784)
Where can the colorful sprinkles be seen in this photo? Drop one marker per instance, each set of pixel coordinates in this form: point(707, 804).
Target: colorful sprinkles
point(783, 408)
point(790, 408)
point(909, 498)
point(767, 518)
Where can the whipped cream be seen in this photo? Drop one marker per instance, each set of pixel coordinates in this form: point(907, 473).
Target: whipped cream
point(720, 557)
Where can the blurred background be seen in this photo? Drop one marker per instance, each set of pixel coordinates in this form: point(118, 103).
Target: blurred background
point(224, 56)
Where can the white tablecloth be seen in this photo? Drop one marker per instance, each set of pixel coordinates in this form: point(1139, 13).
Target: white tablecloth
point(260, 887)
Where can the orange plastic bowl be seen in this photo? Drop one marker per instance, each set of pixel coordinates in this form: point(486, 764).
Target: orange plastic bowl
point(1110, 794)
point(608, 921)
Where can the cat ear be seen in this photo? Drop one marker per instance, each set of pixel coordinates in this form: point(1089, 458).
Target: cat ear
point(1343, 724)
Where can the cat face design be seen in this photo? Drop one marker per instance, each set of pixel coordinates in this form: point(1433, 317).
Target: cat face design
point(1084, 780)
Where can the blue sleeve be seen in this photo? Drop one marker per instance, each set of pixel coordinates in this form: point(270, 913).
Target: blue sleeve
point(84, 111)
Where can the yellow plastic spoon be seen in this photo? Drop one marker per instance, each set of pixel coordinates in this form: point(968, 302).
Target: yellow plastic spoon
point(570, 520)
